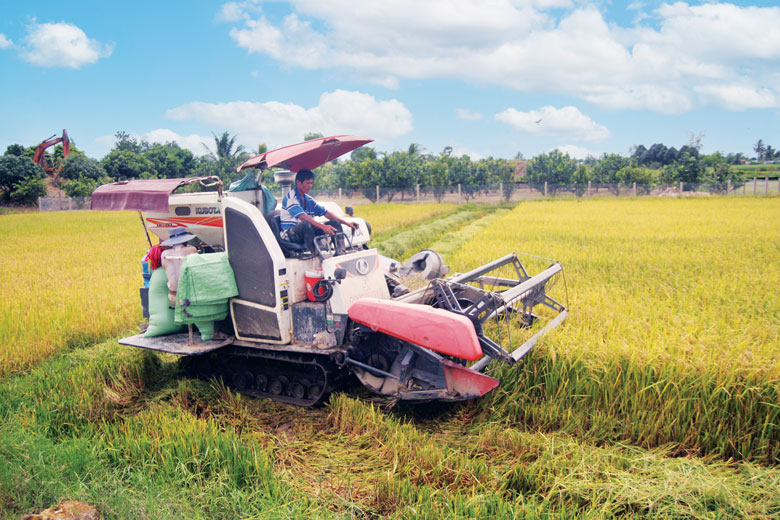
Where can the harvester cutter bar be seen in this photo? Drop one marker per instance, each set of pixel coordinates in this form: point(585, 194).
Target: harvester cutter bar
point(513, 296)
point(526, 347)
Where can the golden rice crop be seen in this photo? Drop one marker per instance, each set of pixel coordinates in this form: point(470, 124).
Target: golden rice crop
point(385, 217)
point(674, 331)
point(688, 282)
point(66, 278)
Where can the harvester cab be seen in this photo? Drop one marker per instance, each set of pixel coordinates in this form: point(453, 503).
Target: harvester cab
point(299, 323)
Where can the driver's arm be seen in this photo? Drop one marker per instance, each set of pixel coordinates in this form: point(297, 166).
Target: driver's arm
point(330, 215)
point(324, 227)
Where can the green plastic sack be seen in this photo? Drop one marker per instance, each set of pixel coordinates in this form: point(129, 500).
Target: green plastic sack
point(161, 316)
point(206, 329)
point(206, 284)
point(269, 201)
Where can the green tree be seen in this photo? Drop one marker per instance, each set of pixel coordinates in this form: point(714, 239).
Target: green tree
point(362, 153)
point(123, 164)
point(606, 171)
point(760, 149)
point(579, 180)
point(224, 160)
point(26, 192)
point(367, 175)
point(82, 187)
point(224, 146)
point(687, 169)
point(437, 176)
point(555, 168)
point(15, 149)
point(125, 142)
point(629, 175)
point(78, 166)
point(718, 172)
point(464, 173)
point(170, 160)
point(21, 180)
point(401, 172)
point(312, 135)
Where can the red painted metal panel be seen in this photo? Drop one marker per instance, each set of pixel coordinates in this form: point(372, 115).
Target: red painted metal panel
point(139, 194)
point(308, 154)
point(463, 381)
point(439, 330)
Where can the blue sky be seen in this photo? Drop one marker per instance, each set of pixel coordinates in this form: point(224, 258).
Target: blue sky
point(489, 78)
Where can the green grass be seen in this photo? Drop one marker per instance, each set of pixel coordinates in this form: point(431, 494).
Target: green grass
point(123, 431)
point(759, 170)
point(110, 426)
point(409, 241)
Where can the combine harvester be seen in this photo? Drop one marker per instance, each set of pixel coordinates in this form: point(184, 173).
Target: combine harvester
point(301, 322)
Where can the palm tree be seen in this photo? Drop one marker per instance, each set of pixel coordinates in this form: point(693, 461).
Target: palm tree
point(759, 149)
point(224, 145)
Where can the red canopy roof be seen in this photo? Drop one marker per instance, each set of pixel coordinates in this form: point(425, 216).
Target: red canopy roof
point(138, 194)
point(308, 154)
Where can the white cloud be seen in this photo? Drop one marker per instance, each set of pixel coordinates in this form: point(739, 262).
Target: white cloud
point(102, 145)
point(236, 11)
point(738, 97)
point(5, 43)
point(577, 152)
point(193, 142)
point(527, 46)
point(565, 123)
point(468, 115)
point(62, 45)
point(277, 124)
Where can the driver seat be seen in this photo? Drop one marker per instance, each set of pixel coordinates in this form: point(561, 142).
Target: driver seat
point(289, 248)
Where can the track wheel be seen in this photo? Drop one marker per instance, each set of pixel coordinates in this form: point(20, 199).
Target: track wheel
point(298, 390)
point(278, 385)
point(262, 382)
point(314, 391)
point(242, 380)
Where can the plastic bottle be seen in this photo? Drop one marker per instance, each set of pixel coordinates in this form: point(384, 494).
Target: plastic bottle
point(147, 273)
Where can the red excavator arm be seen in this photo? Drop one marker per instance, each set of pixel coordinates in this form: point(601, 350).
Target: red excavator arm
point(41, 159)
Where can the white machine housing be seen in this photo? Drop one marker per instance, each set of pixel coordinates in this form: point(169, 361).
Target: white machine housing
point(201, 214)
point(269, 283)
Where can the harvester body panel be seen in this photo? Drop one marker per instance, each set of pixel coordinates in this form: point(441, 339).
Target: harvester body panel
point(435, 329)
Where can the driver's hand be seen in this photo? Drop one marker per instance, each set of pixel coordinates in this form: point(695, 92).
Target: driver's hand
point(328, 229)
point(353, 225)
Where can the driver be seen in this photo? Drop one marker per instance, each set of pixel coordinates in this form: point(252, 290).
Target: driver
point(298, 210)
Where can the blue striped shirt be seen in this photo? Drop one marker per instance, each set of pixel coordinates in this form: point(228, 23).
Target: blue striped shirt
point(295, 204)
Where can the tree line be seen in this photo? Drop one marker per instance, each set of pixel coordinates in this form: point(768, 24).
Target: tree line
point(645, 167)
point(396, 173)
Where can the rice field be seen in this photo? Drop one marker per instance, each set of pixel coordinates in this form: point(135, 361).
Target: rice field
point(393, 216)
point(66, 279)
point(659, 397)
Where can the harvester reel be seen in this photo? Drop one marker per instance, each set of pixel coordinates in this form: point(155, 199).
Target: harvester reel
point(427, 264)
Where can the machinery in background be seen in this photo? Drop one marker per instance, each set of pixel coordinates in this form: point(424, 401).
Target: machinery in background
point(42, 159)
